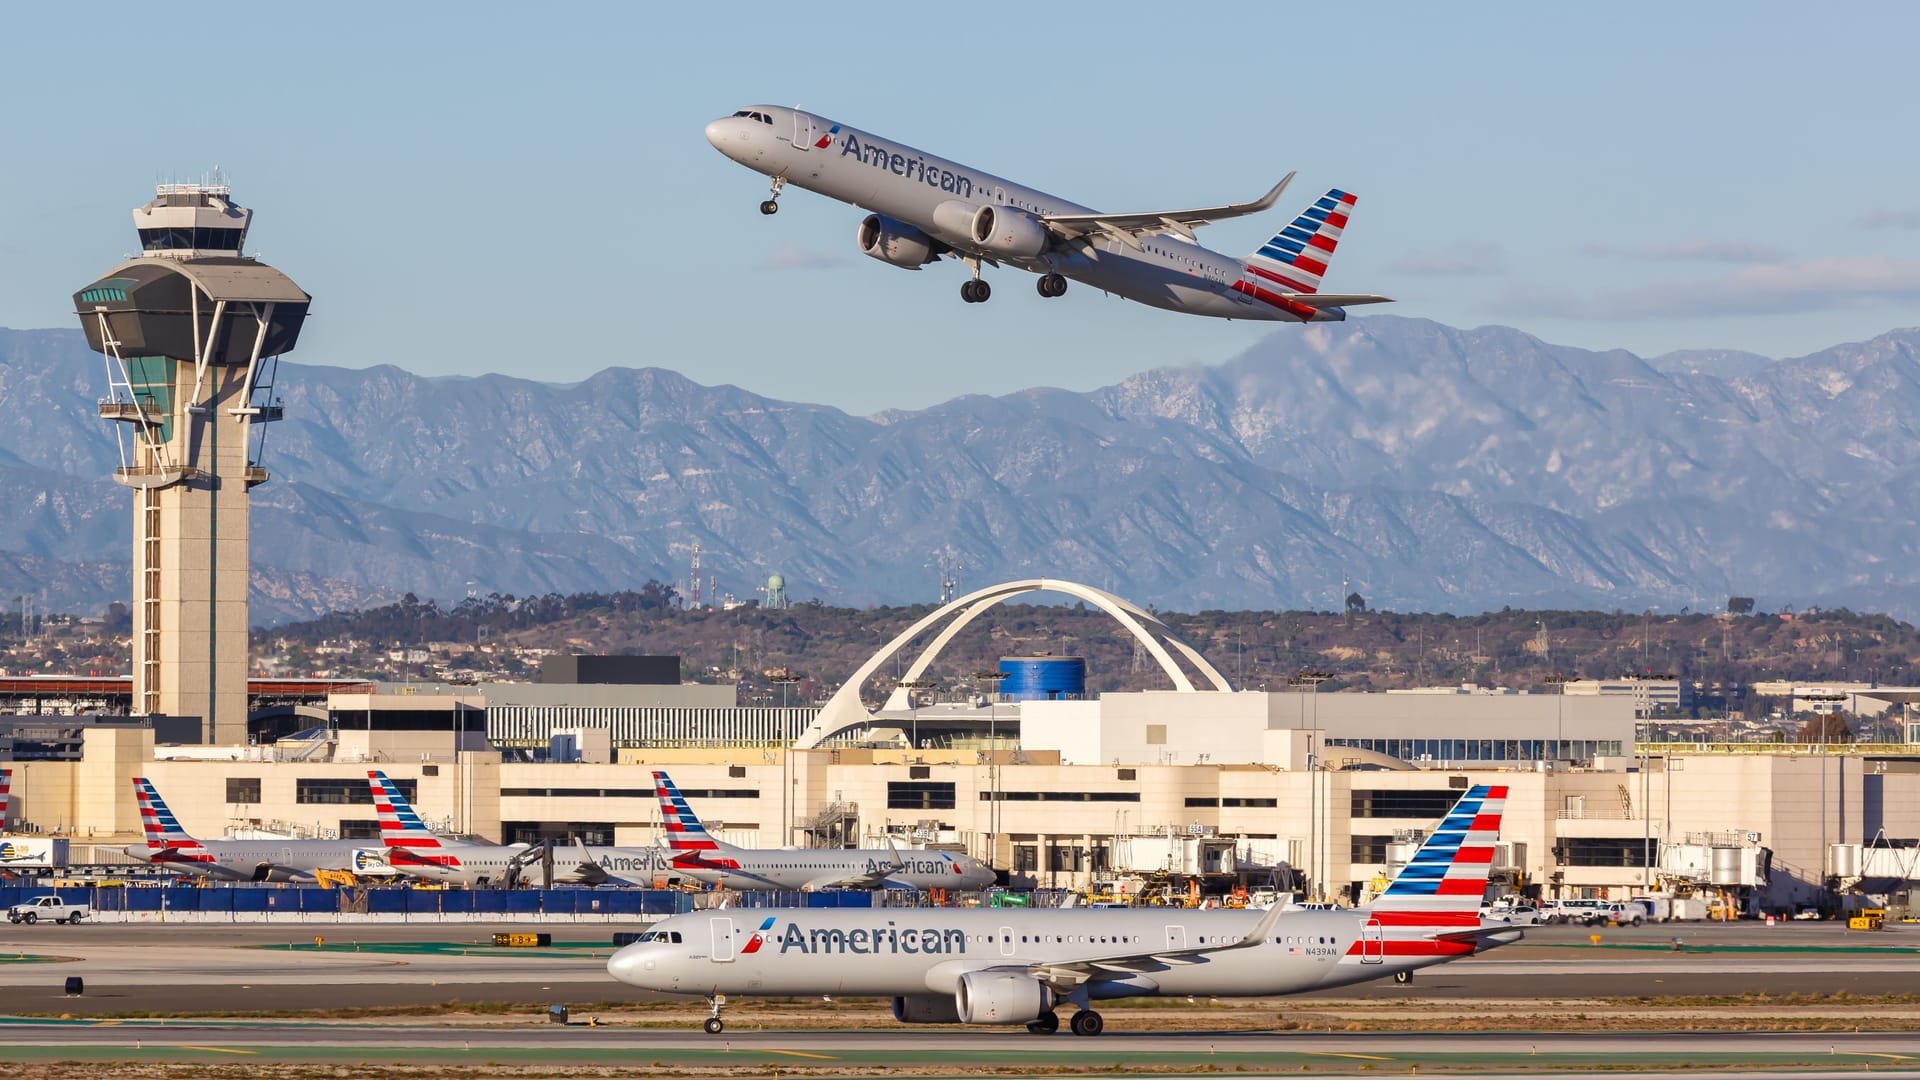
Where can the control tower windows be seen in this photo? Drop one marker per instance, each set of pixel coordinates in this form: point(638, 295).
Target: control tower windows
point(194, 239)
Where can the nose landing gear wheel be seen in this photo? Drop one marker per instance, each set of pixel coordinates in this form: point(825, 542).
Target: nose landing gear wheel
point(1051, 285)
point(1047, 1024)
point(769, 207)
point(975, 292)
point(1087, 1022)
point(714, 1025)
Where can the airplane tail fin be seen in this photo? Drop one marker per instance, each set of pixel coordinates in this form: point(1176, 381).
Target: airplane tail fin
point(6, 787)
point(163, 831)
point(1448, 875)
point(400, 826)
point(1297, 256)
point(685, 834)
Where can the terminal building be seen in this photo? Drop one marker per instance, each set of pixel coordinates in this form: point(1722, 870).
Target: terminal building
point(1328, 792)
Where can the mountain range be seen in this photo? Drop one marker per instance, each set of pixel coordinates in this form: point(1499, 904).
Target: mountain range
point(1426, 467)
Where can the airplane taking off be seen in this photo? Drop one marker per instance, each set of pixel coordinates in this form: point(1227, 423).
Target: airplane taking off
point(925, 207)
point(1014, 965)
point(170, 845)
point(694, 852)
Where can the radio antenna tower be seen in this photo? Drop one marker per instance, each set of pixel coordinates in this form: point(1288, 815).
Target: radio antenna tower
point(695, 599)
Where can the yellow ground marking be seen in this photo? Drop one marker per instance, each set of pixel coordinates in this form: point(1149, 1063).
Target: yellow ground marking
point(1362, 1057)
point(797, 1053)
point(1876, 1053)
point(215, 1049)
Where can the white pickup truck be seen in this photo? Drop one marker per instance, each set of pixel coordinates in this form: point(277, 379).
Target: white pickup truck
point(47, 907)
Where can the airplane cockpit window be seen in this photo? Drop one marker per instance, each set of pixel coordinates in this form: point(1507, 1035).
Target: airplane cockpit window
point(743, 112)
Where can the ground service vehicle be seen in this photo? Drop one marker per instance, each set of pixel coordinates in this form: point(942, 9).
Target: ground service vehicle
point(51, 908)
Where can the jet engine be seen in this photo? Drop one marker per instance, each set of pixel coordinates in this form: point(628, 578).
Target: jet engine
point(926, 1009)
point(896, 244)
point(988, 997)
point(1009, 233)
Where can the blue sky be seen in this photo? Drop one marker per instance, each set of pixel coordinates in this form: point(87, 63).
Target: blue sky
point(525, 189)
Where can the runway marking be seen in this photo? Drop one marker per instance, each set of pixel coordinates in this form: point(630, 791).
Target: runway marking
point(214, 1049)
point(1876, 1053)
point(798, 1053)
point(1336, 1053)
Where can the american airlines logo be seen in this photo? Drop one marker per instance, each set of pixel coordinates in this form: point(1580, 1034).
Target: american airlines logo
point(915, 167)
point(913, 866)
point(890, 939)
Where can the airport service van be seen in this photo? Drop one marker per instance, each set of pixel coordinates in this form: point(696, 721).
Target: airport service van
point(50, 908)
point(1672, 908)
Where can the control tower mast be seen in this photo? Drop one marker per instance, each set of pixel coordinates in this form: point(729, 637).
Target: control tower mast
point(191, 331)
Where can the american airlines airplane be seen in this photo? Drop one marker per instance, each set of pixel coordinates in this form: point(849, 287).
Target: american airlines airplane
point(694, 852)
point(419, 852)
point(170, 845)
point(1016, 965)
point(924, 207)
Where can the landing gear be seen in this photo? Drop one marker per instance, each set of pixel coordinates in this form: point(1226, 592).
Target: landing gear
point(975, 292)
point(1403, 977)
point(1087, 1022)
point(1045, 1024)
point(714, 1024)
point(772, 205)
point(1051, 285)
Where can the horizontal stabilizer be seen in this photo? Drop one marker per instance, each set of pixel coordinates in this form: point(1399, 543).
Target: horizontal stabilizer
point(1319, 300)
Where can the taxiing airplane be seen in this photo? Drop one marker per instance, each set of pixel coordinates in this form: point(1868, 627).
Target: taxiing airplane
point(696, 853)
point(169, 845)
point(419, 852)
point(925, 207)
point(1015, 965)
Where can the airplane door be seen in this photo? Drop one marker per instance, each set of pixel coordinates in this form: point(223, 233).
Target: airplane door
point(722, 941)
point(1373, 948)
point(805, 130)
point(1176, 937)
point(1006, 941)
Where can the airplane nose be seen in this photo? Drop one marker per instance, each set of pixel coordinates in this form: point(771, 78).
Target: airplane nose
point(624, 965)
point(715, 132)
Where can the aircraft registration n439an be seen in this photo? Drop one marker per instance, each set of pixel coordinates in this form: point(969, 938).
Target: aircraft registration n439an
point(924, 207)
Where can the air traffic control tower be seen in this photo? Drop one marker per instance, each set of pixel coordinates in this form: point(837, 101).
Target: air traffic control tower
point(191, 331)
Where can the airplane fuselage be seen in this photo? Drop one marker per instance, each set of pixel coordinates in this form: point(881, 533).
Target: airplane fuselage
point(917, 951)
point(938, 197)
point(774, 869)
point(269, 860)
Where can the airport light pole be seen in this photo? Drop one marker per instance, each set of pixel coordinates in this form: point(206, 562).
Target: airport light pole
point(785, 677)
point(1560, 682)
point(1316, 841)
point(912, 687)
point(993, 763)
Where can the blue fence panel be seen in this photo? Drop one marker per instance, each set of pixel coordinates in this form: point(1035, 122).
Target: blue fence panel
point(424, 901)
point(517, 902)
point(248, 900)
point(623, 901)
point(323, 899)
point(387, 901)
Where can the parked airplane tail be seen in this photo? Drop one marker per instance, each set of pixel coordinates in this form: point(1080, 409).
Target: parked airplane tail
point(400, 826)
point(6, 787)
point(684, 831)
point(1448, 875)
point(165, 838)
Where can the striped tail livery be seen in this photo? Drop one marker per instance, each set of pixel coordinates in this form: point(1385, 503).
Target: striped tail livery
point(687, 839)
point(1431, 910)
point(6, 787)
point(166, 840)
point(409, 842)
point(1285, 273)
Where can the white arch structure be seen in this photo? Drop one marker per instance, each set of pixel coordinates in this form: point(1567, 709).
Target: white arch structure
point(845, 710)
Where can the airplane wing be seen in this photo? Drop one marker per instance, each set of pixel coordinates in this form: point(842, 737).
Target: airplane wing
point(1128, 228)
point(871, 879)
point(1064, 976)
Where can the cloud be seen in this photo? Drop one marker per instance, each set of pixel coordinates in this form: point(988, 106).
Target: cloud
point(1470, 260)
point(1766, 288)
point(789, 257)
point(1694, 249)
point(1889, 219)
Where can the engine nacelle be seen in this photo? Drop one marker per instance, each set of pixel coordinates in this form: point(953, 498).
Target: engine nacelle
point(988, 997)
point(895, 243)
point(1012, 233)
point(926, 1009)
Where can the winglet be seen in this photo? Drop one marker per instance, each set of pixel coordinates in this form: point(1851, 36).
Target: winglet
point(1271, 197)
point(898, 862)
point(1263, 929)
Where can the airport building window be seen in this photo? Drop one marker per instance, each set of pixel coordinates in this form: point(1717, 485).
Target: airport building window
point(1625, 851)
point(1026, 858)
point(622, 793)
point(1063, 796)
point(359, 828)
point(563, 834)
point(1066, 857)
point(1262, 803)
point(244, 789)
point(204, 239)
point(1193, 802)
point(1369, 849)
point(347, 791)
point(1404, 804)
point(919, 795)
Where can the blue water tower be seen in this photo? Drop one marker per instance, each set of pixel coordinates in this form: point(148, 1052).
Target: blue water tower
point(1043, 678)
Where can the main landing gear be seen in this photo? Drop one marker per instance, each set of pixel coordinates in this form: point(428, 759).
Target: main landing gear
point(1046, 1024)
point(977, 290)
point(1087, 1022)
point(714, 1024)
point(772, 205)
point(1051, 285)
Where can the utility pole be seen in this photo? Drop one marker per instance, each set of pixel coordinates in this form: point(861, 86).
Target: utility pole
point(785, 677)
point(993, 763)
point(1316, 840)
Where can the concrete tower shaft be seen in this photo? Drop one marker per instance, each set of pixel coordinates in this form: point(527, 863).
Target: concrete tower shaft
point(191, 332)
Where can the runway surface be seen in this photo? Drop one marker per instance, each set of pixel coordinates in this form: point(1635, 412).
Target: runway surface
point(129, 970)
